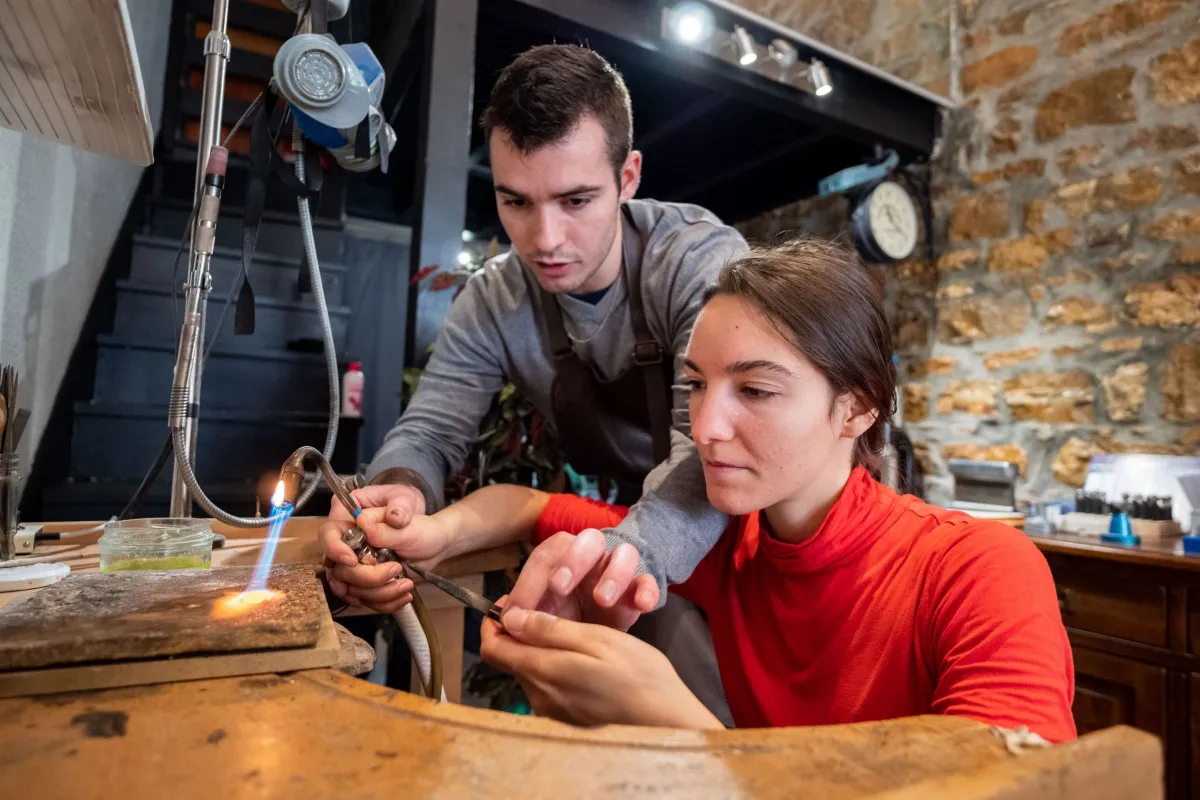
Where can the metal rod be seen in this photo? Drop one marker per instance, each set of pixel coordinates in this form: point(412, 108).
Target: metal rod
point(199, 281)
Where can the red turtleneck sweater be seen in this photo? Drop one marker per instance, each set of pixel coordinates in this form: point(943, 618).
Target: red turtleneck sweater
point(892, 608)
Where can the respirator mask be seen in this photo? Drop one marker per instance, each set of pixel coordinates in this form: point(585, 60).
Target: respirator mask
point(335, 91)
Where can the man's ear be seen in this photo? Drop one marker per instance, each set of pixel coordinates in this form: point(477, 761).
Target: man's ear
point(631, 176)
point(858, 416)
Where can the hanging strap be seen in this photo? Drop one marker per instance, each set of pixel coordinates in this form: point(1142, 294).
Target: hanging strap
point(647, 352)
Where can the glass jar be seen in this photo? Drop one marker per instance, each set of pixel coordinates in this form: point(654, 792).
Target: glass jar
point(136, 544)
point(10, 496)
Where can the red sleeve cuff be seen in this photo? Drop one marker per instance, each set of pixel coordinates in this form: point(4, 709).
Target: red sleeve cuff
point(572, 514)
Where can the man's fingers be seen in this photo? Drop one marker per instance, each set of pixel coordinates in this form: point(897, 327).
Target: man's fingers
point(364, 577)
point(585, 552)
point(384, 594)
point(330, 535)
point(617, 576)
point(534, 579)
point(645, 593)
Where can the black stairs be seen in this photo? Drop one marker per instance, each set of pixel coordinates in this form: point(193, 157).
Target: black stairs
point(263, 395)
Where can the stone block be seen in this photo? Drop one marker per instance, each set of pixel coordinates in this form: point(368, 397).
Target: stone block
point(1122, 344)
point(1121, 191)
point(1187, 175)
point(1006, 358)
point(1176, 76)
point(1176, 226)
point(1073, 275)
point(1095, 317)
point(1088, 155)
point(1105, 98)
point(1125, 391)
point(982, 317)
point(1011, 453)
point(1164, 138)
point(957, 260)
point(1015, 96)
point(1071, 463)
point(1115, 20)
point(1035, 215)
point(932, 366)
point(1181, 384)
point(1172, 303)
point(1005, 138)
point(916, 402)
point(999, 68)
point(1025, 168)
point(1026, 253)
point(1051, 396)
point(954, 290)
point(1106, 236)
point(1188, 253)
point(924, 457)
point(971, 397)
point(1065, 350)
point(979, 216)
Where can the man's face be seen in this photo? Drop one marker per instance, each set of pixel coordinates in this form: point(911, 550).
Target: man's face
point(560, 206)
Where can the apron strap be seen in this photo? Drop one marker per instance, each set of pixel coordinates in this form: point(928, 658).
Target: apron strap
point(647, 352)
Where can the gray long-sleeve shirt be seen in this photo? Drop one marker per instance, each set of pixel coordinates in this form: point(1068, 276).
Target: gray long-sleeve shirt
point(494, 333)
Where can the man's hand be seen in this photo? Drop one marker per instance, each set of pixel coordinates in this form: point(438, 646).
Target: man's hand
point(590, 674)
point(389, 519)
point(573, 577)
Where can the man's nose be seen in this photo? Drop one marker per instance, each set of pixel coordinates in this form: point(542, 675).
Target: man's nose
point(547, 232)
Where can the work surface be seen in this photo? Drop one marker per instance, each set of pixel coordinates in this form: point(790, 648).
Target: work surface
point(322, 734)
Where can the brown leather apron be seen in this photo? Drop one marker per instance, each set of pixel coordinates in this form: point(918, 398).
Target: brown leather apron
point(589, 410)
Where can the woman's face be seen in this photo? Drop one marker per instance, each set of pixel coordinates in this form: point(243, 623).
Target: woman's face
point(765, 421)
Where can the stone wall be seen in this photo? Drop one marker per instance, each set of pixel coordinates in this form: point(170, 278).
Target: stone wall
point(1059, 317)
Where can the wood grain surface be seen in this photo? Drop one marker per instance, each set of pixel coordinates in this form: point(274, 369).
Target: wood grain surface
point(322, 734)
point(98, 617)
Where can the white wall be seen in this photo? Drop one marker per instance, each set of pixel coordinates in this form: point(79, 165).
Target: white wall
point(60, 210)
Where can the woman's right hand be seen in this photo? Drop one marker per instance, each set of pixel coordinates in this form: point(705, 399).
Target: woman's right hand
point(390, 518)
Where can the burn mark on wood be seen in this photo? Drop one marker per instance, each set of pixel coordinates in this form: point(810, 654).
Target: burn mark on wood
point(385, 754)
point(217, 736)
point(101, 724)
point(268, 682)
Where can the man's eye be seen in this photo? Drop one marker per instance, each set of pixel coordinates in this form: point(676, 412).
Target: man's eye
point(514, 202)
point(578, 202)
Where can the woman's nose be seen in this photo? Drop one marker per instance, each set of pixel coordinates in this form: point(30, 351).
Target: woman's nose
point(710, 418)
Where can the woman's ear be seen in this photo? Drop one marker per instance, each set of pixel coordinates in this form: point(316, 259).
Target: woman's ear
point(858, 416)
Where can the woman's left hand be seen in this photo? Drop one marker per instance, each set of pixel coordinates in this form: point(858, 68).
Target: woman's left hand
point(590, 674)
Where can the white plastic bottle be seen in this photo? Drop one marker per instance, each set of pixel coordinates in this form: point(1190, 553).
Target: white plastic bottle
point(352, 390)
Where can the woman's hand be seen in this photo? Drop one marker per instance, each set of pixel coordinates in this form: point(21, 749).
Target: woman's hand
point(590, 674)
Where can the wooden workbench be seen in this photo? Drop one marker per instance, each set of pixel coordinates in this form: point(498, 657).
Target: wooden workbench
point(298, 545)
point(323, 734)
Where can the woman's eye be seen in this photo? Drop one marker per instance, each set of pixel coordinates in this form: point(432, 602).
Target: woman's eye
point(756, 394)
point(693, 385)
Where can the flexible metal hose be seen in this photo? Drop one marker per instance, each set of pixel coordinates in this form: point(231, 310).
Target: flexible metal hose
point(335, 401)
point(318, 290)
point(418, 631)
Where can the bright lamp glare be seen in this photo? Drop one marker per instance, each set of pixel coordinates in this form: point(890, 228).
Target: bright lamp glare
point(464, 258)
point(818, 76)
point(691, 23)
point(824, 90)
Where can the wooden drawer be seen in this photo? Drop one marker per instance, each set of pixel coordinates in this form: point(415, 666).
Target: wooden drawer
point(1113, 606)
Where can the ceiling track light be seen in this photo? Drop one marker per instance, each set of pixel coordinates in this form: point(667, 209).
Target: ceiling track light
point(744, 46)
point(818, 78)
point(782, 53)
point(688, 23)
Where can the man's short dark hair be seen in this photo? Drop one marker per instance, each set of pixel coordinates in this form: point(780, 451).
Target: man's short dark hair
point(541, 96)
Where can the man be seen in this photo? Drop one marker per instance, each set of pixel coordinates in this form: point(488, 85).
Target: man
point(588, 316)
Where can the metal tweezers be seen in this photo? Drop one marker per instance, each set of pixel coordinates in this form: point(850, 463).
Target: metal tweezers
point(462, 594)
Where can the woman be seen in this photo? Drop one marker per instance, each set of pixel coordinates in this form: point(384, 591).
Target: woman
point(831, 599)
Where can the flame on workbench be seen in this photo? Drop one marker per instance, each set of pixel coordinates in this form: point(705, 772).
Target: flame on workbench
point(257, 594)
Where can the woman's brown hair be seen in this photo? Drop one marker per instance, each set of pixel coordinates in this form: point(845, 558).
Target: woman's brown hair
point(819, 297)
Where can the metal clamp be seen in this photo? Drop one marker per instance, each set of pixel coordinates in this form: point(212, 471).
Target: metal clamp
point(217, 43)
point(647, 353)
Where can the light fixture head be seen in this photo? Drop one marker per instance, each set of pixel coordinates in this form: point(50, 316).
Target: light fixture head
point(818, 76)
point(690, 23)
point(468, 236)
point(745, 46)
point(464, 258)
point(782, 53)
